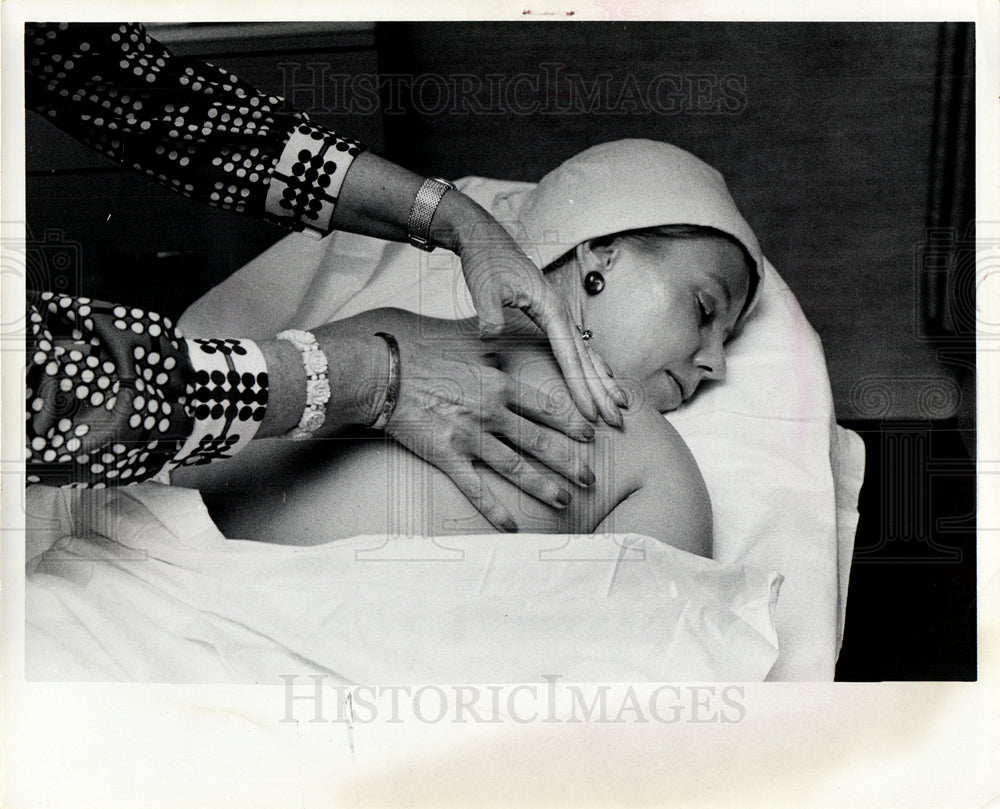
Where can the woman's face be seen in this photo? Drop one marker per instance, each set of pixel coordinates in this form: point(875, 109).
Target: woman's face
point(666, 310)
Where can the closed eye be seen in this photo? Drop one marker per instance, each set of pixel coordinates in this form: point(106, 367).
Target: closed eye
point(706, 310)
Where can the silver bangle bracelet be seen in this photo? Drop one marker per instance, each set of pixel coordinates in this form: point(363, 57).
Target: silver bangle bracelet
point(392, 384)
point(425, 203)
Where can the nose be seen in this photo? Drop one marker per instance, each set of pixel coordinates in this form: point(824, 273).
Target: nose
point(711, 361)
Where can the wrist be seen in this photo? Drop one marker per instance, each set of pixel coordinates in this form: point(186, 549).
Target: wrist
point(287, 396)
point(318, 392)
point(358, 370)
point(457, 220)
point(390, 397)
point(368, 393)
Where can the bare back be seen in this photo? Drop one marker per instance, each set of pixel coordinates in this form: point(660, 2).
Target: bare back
point(365, 483)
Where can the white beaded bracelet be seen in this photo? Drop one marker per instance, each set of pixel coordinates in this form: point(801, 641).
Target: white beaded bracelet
point(317, 382)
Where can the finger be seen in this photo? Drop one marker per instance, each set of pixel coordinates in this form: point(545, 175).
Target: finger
point(540, 484)
point(613, 388)
point(546, 310)
point(563, 340)
point(550, 447)
point(493, 271)
point(586, 384)
point(471, 484)
point(594, 394)
point(491, 317)
point(553, 410)
point(602, 367)
point(599, 386)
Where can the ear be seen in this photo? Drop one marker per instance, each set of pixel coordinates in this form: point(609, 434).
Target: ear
point(597, 255)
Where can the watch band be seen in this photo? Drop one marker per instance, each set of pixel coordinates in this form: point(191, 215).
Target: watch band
point(425, 203)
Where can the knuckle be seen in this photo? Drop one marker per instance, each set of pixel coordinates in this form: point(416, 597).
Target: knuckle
point(503, 386)
point(473, 489)
point(457, 440)
point(510, 466)
point(491, 418)
point(540, 442)
point(547, 404)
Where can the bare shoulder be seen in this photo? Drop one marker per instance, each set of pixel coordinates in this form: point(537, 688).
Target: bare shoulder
point(649, 483)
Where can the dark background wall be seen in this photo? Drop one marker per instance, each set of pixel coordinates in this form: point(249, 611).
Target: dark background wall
point(848, 147)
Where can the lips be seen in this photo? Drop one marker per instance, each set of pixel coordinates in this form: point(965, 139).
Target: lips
point(680, 387)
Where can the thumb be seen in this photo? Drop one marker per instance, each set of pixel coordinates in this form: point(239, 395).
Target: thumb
point(491, 319)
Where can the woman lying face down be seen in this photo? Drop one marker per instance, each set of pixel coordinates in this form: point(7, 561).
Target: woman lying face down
point(660, 303)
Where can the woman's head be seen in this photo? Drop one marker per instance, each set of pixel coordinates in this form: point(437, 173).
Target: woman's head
point(627, 186)
point(667, 300)
point(681, 265)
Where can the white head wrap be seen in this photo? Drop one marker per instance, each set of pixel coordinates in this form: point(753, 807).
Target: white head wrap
point(628, 185)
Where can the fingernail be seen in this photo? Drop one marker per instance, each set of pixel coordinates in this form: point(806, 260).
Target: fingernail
point(611, 374)
point(588, 433)
point(587, 478)
point(563, 498)
point(509, 526)
point(619, 396)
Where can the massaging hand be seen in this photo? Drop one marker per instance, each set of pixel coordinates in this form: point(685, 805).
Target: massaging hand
point(453, 412)
point(375, 200)
point(498, 274)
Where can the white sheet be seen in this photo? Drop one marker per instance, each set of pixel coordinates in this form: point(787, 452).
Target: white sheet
point(140, 585)
point(783, 477)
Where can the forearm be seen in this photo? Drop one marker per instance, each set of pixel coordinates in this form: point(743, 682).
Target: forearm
point(116, 395)
point(358, 371)
point(376, 197)
point(194, 127)
point(203, 132)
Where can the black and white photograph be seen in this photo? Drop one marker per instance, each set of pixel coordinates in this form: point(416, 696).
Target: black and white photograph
point(524, 410)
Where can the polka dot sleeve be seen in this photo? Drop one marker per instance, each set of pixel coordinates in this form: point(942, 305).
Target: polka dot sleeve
point(115, 395)
point(195, 127)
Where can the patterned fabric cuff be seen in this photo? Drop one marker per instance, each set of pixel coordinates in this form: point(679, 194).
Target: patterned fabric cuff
point(227, 397)
point(306, 181)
